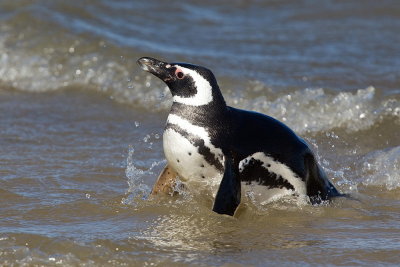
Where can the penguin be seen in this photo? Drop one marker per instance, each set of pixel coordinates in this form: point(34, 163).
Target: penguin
point(205, 139)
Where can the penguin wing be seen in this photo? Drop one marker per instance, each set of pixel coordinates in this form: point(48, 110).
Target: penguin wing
point(229, 192)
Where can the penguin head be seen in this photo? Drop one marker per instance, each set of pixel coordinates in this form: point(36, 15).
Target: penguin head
point(189, 84)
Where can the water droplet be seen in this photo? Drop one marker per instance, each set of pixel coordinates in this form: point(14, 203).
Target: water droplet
point(146, 138)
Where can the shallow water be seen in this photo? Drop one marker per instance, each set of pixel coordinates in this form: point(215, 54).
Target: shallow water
point(81, 127)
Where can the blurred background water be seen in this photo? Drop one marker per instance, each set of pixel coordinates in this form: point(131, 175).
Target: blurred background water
point(81, 127)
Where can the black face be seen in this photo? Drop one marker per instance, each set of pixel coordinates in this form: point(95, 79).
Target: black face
point(184, 80)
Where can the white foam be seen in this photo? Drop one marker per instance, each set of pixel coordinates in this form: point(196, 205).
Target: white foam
point(261, 195)
point(314, 110)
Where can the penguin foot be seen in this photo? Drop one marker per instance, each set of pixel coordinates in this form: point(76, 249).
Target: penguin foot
point(166, 182)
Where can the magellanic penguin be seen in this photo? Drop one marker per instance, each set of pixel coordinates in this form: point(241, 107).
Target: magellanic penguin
point(206, 139)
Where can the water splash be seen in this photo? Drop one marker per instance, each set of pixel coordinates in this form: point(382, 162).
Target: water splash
point(137, 188)
point(381, 168)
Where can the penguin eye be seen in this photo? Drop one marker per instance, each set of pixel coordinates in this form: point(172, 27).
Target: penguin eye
point(179, 74)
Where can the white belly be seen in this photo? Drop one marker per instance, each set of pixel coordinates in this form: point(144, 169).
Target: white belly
point(185, 159)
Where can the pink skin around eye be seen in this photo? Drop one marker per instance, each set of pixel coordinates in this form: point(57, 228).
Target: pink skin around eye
point(179, 73)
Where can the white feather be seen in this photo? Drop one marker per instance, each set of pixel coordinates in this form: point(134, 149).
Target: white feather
point(177, 147)
point(195, 130)
point(190, 168)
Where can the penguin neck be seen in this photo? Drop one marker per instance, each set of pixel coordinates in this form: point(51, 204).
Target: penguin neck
point(202, 115)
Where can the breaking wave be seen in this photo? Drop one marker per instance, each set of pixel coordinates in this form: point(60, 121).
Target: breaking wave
point(93, 64)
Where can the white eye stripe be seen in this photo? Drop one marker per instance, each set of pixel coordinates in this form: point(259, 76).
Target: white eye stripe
point(203, 87)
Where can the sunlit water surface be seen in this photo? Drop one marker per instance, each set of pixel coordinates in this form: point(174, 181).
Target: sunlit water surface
point(81, 130)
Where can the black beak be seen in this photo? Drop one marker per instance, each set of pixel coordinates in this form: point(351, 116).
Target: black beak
point(156, 67)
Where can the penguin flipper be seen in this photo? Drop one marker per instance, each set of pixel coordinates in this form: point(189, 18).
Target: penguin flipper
point(165, 182)
point(319, 188)
point(229, 192)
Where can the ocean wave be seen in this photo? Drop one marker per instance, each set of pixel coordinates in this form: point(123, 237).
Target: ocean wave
point(314, 110)
point(86, 66)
